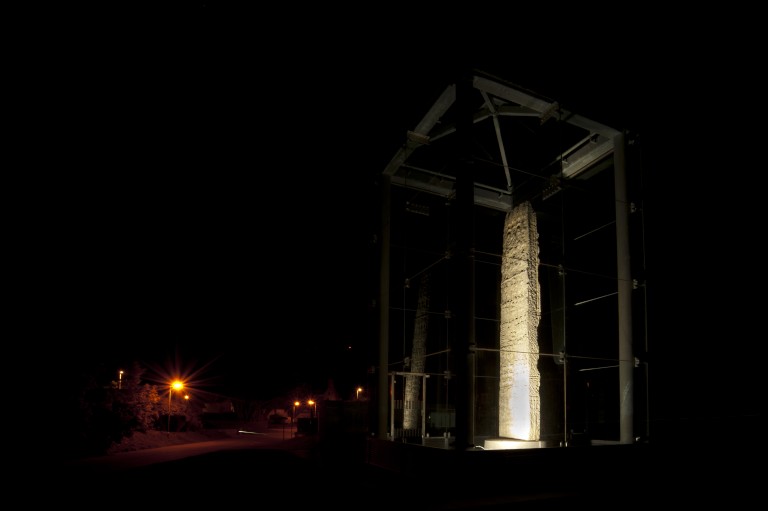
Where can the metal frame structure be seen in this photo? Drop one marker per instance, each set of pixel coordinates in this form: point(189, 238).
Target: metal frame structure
point(520, 146)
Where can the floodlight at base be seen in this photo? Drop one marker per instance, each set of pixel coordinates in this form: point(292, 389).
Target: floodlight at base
point(498, 444)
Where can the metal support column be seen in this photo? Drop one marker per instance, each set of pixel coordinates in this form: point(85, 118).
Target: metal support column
point(382, 399)
point(624, 277)
point(464, 341)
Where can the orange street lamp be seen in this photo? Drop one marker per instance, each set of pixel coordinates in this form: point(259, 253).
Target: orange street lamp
point(178, 385)
point(120, 380)
point(314, 407)
point(359, 390)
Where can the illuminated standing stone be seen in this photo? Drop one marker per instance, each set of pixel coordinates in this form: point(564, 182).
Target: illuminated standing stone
point(519, 400)
point(412, 404)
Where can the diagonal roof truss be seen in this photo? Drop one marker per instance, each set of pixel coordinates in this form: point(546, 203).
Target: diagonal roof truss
point(522, 143)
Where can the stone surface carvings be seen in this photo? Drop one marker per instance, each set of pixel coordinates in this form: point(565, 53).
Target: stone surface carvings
point(412, 414)
point(519, 400)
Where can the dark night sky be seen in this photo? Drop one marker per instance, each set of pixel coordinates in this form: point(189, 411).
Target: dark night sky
point(215, 208)
point(206, 196)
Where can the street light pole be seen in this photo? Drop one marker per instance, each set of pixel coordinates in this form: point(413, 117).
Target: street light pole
point(174, 385)
point(293, 417)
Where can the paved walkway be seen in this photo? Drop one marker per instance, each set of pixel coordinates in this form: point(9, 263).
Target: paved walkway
point(229, 440)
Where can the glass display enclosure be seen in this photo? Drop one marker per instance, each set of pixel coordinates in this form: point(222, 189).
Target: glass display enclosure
point(512, 277)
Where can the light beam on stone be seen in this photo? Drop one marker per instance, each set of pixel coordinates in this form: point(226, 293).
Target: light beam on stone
point(519, 399)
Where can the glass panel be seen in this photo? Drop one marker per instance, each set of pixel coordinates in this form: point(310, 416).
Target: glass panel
point(567, 390)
